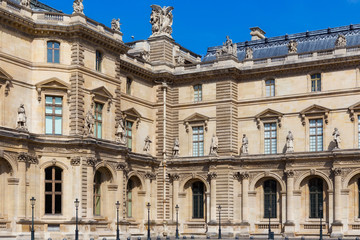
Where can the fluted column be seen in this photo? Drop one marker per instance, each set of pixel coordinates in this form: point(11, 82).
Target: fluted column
point(337, 195)
point(121, 194)
point(245, 197)
point(175, 180)
point(289, 196)
point(90, 162)
point(212, 177)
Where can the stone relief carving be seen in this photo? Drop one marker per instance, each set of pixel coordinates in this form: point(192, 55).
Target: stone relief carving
point(340, 41)
point(248, 53)
point(78, 6)
point(180, 60)
point(115, 24)
point(289, 173)
point(336, 138)
point(145, 55)
point(176, 148)
point(245, 145)
point(174, 176)
point(228, 48)
point(336, 171)
point(28, 158)
point(290, 142)
point(212, 175)
point(147, 144)
point(7, 87)
point(214, 145)
point(150, 175)
point(123, 166)
point(120, 135)
point(292, 46)
point(91, 161)
point(25, 3)
point(21, 119)
point(244, 175)
point(75, 161)
point(89, 124)
point(161, 20)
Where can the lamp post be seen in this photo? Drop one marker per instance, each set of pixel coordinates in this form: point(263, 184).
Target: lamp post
point(148, 231)
point(321, 215)
point(76, 219)
point(117, 220)
point(219, 221)
point(269, 235)
point(32, 201)
point(177, 222)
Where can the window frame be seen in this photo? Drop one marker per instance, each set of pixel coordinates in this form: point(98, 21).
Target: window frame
point(53, 193)
point(128, 85)
point(98, 113)
point(53, 49)
point(272, 92)
point(315, 78)
point(316, 147)
point(270, 138)
point(198, 93)
point(318, 201)
point(270, 195)
point(53, 105)
point(127, 130)
point(198, 209)
point(98, 60)
point(198, 141)
point(129, 205)
point(97, 194)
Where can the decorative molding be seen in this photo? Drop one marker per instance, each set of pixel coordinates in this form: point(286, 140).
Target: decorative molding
point(336, 171)
point(75, 161)
point(244, 175)
point(315, 110)
point(196, 118)
point(53, 84)
point(92, 161)
point(354, 109)
point(150, 175)
point(132, 114)
point(269, 114)
point(212, 175)
point(102, 95)
point(340, 41)
point(289, 173)
point(174, 176)
point(27, 158)
point(6, 80)
point(292, 47)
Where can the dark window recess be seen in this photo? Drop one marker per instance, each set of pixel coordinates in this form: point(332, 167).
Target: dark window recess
point(198, 199)
point(53, 190)
point(316, 197)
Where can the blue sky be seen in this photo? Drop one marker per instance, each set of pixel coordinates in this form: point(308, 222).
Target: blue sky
point(200, 24)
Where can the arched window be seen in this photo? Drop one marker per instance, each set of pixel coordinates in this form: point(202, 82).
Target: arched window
point(129, 189)
point(316, 197)
point(198, 199)
point(270, 199)
point(53, 52)
point(97, 194)
point(53, 190)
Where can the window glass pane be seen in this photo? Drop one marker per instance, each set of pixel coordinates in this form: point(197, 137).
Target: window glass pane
point(58, 125)
point(58, 187)
point(57, 204)
point(58, 172)
point(58, 110)
point(58, 100)
point(48, 109)
point(99, 130)
point(48, 125)
point(48, 100)
point(48, 187)
point(56, 45)
point(49, 56)
point(56, 56)
point(48, 204)
point(48, 173)
point(49, 44)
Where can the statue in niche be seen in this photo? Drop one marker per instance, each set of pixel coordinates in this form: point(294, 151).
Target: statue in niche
point(336, 137)
point(245, 145)
point(176, 148)
point(89, 124)
point(120, 131)
point(289, 142)
point(214, 145)
point(161, 20)
point(248, 53)
point(25, 3)
point(21, 118)
point(115, 24)
point(78, 6)
point(147, 144)
point(292, 46)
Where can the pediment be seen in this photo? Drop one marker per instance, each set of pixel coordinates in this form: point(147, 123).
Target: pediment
point(53, 83)
point(315, 109)
point(269, 113)
point(132, 112)
point(352, 109)
point(196, 117)
point(102, 92)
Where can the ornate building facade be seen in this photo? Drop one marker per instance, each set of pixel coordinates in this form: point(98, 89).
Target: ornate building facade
point(267, 129)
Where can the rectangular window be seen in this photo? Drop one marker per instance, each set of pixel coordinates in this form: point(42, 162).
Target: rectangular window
point(198, 93)
point(53, 52)
point(270, 138)
point(129, 134)
point(128, 85)
point(270, 87)
point(198, 141)
point(98, 119)
point(53, 115)
point(316, 82)
point(98, 61)
point(359, 132)
point(316, 135)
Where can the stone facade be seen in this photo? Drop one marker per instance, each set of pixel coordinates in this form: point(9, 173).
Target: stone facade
point(205, 124)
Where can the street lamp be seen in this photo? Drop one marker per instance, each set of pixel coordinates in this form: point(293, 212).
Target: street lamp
point(117, 220)
point(148, 232)
point(321, 215)
point(32, 201)
point(219, 221)
point(270, 235)
point(76, 219)
point(177, 222)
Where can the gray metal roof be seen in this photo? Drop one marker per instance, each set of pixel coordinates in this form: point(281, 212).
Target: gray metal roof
point(307, 42)
point(38, 6)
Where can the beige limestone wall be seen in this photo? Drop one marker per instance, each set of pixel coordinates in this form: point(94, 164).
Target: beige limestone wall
point(186, 92)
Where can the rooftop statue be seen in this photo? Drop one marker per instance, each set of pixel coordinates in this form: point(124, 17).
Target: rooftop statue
point(115, 24)
point(292, 46)
point(78, 6)
point(248, 53)
point(161, 20)
point(340, 41)
point(228, 48)
point(25, 3)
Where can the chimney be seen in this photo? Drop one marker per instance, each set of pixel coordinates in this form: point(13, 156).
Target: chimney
point(257, 33)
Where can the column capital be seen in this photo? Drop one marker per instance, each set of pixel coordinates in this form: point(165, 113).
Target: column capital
point(28, 158)
point(150, 175)
point(174, 176)
point(91, 161)
point(212, 175)
point(75, 161)
point(336, 171)
point(244, 175)
point(289, 173)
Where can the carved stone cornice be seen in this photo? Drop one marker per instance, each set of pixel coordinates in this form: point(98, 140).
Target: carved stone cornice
point(289, 173)
point(75, 161)
point(27, 158)
point(212, 175)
